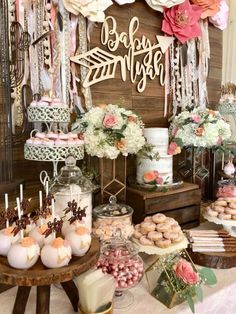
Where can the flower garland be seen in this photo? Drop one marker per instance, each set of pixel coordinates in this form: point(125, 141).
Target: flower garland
point(199, 128)
point(109, 130)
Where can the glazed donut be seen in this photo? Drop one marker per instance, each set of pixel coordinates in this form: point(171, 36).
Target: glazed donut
point(224, 216)
point(154, 236)
point(159, 218)
point(137, 227)
point(176, 228)
point(137, 234)
point(230, 199)
point(171, 221)
point(171, 235)
point(230, 211)
point(220, 203)
point(147, 227)
point(144, 241)
point(232, 205)
point(163, 227)
point(148, 219)
point(163, 243)
point(179, 239)
point(211, 212)
point(219, 209)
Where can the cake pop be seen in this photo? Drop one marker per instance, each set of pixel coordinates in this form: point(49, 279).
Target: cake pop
point(75, 215)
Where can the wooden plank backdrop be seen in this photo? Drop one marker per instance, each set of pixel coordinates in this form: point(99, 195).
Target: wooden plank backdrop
point(148, 104)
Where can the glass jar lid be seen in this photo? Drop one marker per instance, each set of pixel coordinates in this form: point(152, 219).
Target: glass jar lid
point(113, 209)
point(70, 174)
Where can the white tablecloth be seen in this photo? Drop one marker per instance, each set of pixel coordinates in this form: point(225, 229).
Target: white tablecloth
point(220, 299)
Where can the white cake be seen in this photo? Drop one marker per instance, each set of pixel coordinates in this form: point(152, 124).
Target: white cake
point(160, 139)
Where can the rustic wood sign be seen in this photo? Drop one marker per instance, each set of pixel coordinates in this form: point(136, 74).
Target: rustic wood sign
point(102, 65)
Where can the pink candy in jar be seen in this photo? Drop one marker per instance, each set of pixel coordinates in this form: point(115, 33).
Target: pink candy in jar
point(124, 264)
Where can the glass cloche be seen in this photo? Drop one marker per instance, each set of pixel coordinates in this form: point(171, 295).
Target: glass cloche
point(108, 218)
point(69, 185)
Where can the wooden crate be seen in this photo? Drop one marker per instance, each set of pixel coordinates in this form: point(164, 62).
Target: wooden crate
point(182, 203)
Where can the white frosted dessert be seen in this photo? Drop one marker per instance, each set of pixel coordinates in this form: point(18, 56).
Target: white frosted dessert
point(159, 137)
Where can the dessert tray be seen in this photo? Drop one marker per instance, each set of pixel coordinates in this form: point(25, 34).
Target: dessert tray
point(154, 250)
point(54, 153)
point(229, 225)
point(48, 114)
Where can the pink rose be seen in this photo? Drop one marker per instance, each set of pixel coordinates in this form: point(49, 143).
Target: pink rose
point(109, 121)
point(182, 21)
point(149, 177)
point(184, 271)
point(196, 118)
point(159, 180)
point(173, 149)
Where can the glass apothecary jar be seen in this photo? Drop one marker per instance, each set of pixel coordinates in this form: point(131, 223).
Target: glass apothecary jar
point(119, 258)
point(109, 218)
point(226, 188)
point(69, 185)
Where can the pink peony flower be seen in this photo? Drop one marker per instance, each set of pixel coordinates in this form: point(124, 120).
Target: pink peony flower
point(109, 121)
point(182, 21)
point(159, 180)
point(196, 118)
point(149, 177)
point(184, 271)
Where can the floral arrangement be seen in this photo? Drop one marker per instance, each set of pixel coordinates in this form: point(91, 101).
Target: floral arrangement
point(153, 178)
point(109, 130)
point(181, 277)
point(199, 128)
point(181, 18)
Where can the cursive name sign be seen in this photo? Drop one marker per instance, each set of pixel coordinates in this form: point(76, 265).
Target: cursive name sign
point(102, 65)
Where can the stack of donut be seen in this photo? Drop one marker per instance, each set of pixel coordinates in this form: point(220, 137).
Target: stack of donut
point(158, 230)
point(223, 208)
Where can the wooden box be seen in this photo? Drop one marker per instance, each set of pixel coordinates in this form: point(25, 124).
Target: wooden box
point(182, 203)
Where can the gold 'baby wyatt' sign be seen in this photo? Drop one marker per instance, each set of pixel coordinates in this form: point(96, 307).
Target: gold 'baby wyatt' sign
point(102, 65)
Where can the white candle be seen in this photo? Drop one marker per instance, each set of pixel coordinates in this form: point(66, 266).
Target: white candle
point(19, 215)
point(41, 205)
point(6, 207)
point(53, 215)
point(21, 193)
point(46, 188)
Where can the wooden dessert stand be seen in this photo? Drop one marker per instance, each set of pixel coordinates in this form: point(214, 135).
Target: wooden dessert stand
point(43, 278)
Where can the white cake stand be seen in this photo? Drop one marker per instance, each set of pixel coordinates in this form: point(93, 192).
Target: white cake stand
point(228, 225)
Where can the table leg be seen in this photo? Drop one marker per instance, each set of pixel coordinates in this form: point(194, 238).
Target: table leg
point(43, 300)
point(72, 293)
point(21, 300)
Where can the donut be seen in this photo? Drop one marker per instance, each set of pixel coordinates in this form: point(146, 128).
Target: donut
point(148, 219)
point(230, 199)
point(233, 217)
point(154, 236)
point(219, 209)
point(230, 211)
point(224, 216)
point(163, 227)
point(171, 235)
point(220, 203)
point(146, 227)
point(144, 241)
point(211, 212)
point(179, 239)
point(137, 234)
point(163, 243)
point(232, 205)
point(137, 227)
point(175, 228)
point(159, 218)
point(171, 221)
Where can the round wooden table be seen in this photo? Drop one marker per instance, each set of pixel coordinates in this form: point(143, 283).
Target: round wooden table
point(43, 278)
